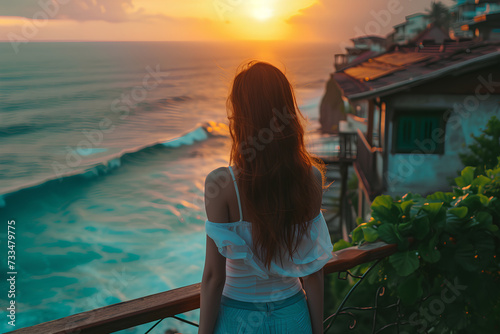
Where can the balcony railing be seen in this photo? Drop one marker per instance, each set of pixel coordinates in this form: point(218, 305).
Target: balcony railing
point(340, 61)
point(366, 165)
point(339, 147)
point(162, 305)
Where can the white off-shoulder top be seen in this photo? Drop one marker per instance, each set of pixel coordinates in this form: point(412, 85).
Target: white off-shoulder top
point(247, 279)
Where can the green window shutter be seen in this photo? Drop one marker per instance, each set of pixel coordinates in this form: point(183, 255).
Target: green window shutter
point(427, 126)
point(416, 128)
point(407, 131)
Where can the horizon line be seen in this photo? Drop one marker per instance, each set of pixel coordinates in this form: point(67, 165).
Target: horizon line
point(162, 41)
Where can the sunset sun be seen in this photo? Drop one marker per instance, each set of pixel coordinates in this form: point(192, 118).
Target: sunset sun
point(262, 13)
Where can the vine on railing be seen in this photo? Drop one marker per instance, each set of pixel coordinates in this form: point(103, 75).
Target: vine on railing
point(456, 243)
point(394, 307)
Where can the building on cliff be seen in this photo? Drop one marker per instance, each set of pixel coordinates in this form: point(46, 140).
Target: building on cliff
point(476, 19)
point(414, 108)
point(406, 31)
point(364, 46)
point(333, 106)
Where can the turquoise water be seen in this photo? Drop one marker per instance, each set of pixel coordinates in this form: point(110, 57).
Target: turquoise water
point(108, 203)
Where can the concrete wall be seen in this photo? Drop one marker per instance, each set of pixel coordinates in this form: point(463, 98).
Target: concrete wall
point(426, 173)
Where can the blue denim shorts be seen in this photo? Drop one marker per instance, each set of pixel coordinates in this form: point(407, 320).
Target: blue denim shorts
point(290, 315)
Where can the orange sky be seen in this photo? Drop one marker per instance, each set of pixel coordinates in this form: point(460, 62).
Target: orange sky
point(163, 20)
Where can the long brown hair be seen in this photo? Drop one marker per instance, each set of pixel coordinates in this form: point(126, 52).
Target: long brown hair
point(275, 170)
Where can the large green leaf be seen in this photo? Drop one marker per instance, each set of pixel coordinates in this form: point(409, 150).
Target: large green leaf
point(440, 196)
point(472, 202)
point(411, 196)
point(404, 262)
point(432, 209)
point(465, 256)
point(480, 182)
point(484, 200)
point(466, 178)
point(481, 220)
point(357, 235)
point(421, 227)
point(410, 290)
point(384, 210)
point(428, 252)
point(405, 228)
point(454, 224)
point(387, 232)
point(370, 233)
point(406, 206)
point(341, 244)
point(382, 201)
point(459, 212)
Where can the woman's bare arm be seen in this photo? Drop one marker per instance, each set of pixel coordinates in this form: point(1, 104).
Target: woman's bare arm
point(314, 288)
point(212, 284)
point(314, 284)
point(214, 272)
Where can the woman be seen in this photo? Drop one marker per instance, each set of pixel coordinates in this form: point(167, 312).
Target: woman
point(265, 228)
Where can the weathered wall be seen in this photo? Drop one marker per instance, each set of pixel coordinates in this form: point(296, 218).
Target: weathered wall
point(425, 173)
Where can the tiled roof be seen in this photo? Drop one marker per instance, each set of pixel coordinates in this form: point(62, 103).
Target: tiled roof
point(410, 66)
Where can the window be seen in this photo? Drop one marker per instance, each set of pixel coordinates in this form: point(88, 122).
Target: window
point(419, 132)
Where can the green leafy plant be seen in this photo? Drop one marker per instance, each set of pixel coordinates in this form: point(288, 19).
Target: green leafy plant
point(485, 149)
point(447, 241)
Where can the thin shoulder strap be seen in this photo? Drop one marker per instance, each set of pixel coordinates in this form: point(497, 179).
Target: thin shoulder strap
point(237, 192)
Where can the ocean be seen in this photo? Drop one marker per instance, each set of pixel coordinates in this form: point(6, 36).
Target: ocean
point(104, 148)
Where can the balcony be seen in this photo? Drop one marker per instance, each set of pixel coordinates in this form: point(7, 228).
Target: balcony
point(171, 303)
point(340, 61)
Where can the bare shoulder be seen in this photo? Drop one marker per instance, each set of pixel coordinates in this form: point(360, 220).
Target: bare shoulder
point(217, 181)
point(218, 175)
point(216, 195)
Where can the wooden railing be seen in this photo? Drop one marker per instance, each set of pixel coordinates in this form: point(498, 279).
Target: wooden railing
point(139, 311)
point(329, 151)
point(366, 165)
point(340, 61)
point(347, 145)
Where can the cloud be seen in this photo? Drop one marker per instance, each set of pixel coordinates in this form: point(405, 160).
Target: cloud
point(21, 30)
point(340, 20)
point(79, 10)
